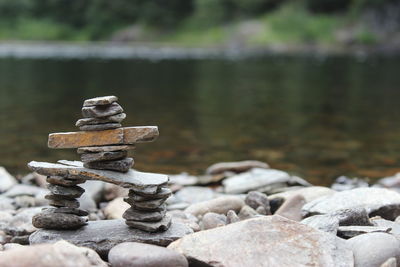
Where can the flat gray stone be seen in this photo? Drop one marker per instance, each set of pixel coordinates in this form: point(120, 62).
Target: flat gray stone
point(101, 156)
point(67, 191)
point(102, 235)
point(101, 111)
point(264, 241)
point(93, 121)
point(75, 211)
point(57, 180)
point(100, 127)
point(145, 205)
point(59, 201)
point(347, 232)
point(94, 149)
point(58, 221)
point(161, 192)
point(101, 100)
point(237, 166)
point(152, 227)
point(132, 214)
point(376, 201)
point(147, 183)
point(123, 165)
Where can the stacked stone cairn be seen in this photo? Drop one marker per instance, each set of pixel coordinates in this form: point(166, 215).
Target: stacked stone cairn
point(105, 152)
point(104, 113)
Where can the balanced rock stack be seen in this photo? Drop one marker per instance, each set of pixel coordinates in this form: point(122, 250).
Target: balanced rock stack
point(103, 146)
point(104, 113)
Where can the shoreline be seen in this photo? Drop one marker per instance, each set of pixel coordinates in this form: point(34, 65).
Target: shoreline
point(158, 51)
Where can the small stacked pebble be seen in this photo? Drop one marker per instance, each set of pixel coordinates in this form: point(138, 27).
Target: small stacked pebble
point(104, 113)
point(148, 210)
point(63, 197)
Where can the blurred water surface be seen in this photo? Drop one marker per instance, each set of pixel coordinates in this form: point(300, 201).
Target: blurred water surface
point(315, 118)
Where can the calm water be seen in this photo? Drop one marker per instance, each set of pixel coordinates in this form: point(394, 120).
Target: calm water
point(318, 119)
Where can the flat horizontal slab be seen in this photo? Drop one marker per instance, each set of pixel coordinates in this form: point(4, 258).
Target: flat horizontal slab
point(119, 136)
point(103, 235)
point(143, 181)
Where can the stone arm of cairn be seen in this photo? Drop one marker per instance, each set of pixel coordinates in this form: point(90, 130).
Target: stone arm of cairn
point(103, 147)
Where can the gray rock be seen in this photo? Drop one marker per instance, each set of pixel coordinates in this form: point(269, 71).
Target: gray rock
point(66, 191)
point(376, 201)
point(161, 192)
point(373, 249)
point(151, 227)
point(164, 194)
point(64, 181)
point(262, 211)
point(254, 179)
point(102, 111)
point(103, 235)
point(291, 208)
point(212, 220)
point(100, 127)
point(246, 212)
point(194, 194)
point(103, 156)
point(58, 221)
point(6, 180)
point(59, 201)
point(145, 205)
point(345, 183)
point(185, 218)
point(10, 246)
point(264, 241)
point(21, 224)
point(219, 205)
point(231, 217)
point(132, 214)
point(347, 232)
point(237, 166)
point(25, 190)
point(110, 119)
point(132, 254)
point(99, 101)
point(6, 203)
point(61, 254)
point(78, 212)
point(22, 239)
point(325, 223)
point(122, 165)
point(183, 179)
point(309, 193)
point(257, 199)
point(94, 149)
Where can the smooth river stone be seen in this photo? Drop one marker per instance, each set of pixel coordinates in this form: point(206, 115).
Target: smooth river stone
point(100, 127)
point(58, 201)
point(101, 100)
point(64, 181)
point(58, 221)
point(67, 191)
point(94, 149)
point(161, 193)
point(102, 111)
point(78, 212)
point(101, 156)
point(120, 136)
point(145, 205)
point(93, 121)
point(123, 165)
point(132, 214)
point(151, 227)
point(145, 183)
point(105, 234)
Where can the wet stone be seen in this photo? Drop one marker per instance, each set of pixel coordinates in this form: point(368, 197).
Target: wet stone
point(57, 180)
point(100, 127)
point(70, 191)
point(67, 210)
point(103, 156)
point(162, 225)
point(62, 202)
point(58, 221)
point(145, 205)
point(101, 100)
point(132, 214)
point(94, 149)
point(110, 119)
point(117, 165)
point(101, 111)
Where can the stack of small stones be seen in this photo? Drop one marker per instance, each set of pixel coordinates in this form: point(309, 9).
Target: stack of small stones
point(63, 197)
point(104, 113)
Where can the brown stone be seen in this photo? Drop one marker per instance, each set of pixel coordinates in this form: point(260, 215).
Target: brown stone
point(120, 136)
point(101, 156)
point(101, 100)
point(94, 149)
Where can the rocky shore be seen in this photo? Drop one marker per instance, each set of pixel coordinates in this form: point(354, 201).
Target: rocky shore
point(238, 214)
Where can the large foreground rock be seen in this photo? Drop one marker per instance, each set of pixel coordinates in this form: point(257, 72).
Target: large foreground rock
point(132, 254)
point(101, 236)
point(60, 254)
point(264, 241)
point(376, 201)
